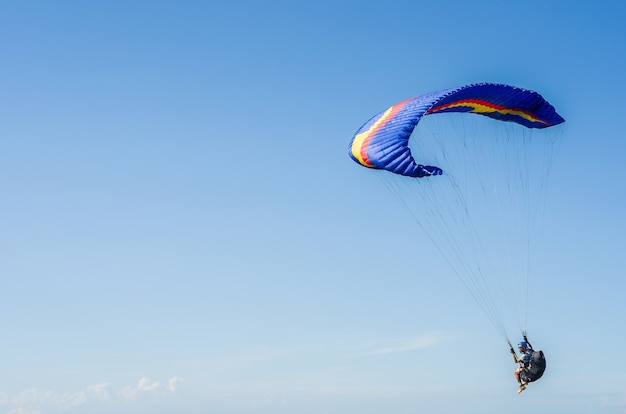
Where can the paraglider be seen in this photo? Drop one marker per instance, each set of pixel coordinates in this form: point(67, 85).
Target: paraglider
point(532, 364)
point(477, 193)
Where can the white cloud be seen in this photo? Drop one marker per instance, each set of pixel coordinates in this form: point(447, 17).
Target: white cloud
point(146, 385)
point(35, 401)
point(129, 393)
point(99, 392)
point(172, 384)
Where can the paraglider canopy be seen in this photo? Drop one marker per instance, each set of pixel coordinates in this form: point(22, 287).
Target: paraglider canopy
point(382, 142)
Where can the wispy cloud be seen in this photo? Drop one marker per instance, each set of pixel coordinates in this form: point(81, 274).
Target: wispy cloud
point(402, 345)
point(172, 384)
point(144, 386)
point(23, 411)
point(36, 401)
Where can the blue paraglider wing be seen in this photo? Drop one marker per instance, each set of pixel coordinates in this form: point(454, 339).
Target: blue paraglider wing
point(383, 141)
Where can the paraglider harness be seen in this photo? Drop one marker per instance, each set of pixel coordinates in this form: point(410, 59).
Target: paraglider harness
point(533, 370)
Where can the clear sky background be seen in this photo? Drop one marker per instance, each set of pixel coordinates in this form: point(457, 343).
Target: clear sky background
point(183, 231)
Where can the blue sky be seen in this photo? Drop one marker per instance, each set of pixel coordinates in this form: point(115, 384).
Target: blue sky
point(183, 229)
